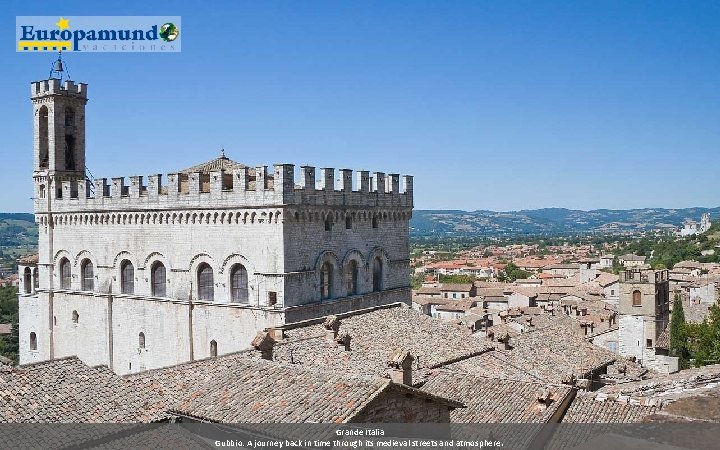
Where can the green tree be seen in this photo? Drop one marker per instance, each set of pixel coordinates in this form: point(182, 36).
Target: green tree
point(513, 272)
point(678, 333)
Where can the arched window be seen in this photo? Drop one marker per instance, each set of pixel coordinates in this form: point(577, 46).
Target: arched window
point(141, 340)
point(328, 222)
point(36, 279)
point(43, 136)
point(75, 317)
point(69, 139)
point(377, 274)
point(213, 349)
point(159, 279)
point(33, 341)
point(27, 280)
point(206, 288)
point(88, 275)
point(326, 275)
point(374, 222)
point(348, 222)
point(637, 298)
point(239, 284)
point(65, 275)
point(351, 277)
point(127, 277)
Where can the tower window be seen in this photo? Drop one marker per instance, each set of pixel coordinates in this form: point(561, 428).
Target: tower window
point(88, 277)
point(27, 280)
point(213, 349)
point(206, 289)
point(158, 279)
point(43, 137)
point(326, 287)
point(374, 222)
point(141, 340)
point(351, 277)
point(33, 341)
point(348, 222)
point(36, 279)
point(75, 317)
point(239, 284)
point(127, 277)
point(69, 139)
point(377, 274)
point(65, 275)
point(637, 298)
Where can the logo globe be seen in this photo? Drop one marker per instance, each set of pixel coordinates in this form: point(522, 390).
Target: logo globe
point(169, 32)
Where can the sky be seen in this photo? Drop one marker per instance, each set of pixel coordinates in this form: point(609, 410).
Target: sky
point(489, 104)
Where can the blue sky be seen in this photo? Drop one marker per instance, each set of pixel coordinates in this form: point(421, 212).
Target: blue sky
point(491, 105)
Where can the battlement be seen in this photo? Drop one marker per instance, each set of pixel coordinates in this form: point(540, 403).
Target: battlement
point(53, 87)
point(644, 276)
point(241, 187)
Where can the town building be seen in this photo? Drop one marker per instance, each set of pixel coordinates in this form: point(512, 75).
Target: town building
point(145, 272)
point(643, 314)
point(690, 227)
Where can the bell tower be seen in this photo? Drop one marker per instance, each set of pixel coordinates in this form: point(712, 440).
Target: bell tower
point(59, 135)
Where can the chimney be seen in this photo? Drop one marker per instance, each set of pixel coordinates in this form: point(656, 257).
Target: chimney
point(344, 340)
point(401, 367)
point(332, 325)
point(544, 396)
point(569, 379)
point(264, 343)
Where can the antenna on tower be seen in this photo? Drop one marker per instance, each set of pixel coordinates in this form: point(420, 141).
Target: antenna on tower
point(58, 69)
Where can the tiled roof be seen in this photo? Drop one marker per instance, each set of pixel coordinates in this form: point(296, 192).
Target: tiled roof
point(663, 341)
point(456, 287)
point(68, 391)
point(491, 292)
point(221, 163)
point(375, 335)
point(493, 400)
point(242, 388)
point(29, 259)
point(606, 279)
point(666, 387)
point(492, 365)
point(5, 328)
point(550, 354)
point(428, 291)
point(430, 300)
point(586, 409)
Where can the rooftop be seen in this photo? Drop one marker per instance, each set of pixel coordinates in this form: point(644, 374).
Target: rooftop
point(68, 391)
point(242, 388)
point(588, 409)
point(375, 335)
point(493, 400)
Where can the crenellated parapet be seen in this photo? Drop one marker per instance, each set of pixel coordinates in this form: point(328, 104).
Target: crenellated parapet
point(242, 187)
point(53, 86)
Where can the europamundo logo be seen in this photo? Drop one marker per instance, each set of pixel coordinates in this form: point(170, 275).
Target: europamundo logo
point(98, 34)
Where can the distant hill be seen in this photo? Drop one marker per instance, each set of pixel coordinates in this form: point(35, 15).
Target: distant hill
point(18, 230)
point(550, 221)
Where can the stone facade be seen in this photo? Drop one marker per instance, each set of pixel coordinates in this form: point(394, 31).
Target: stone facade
point(643, 314)
point(168, 269)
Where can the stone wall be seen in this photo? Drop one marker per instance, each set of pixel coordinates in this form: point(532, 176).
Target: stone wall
point(393, 406)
